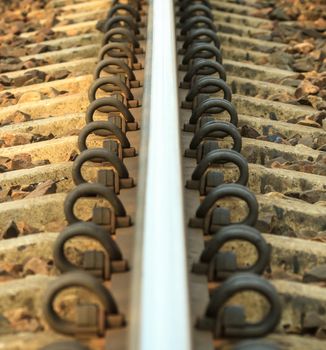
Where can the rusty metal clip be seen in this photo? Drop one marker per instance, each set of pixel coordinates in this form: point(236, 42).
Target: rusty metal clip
point(213, 130)
point(200, 50)
point(135, 3)
point(124, 35)
point(96, 190)
point(98, 155)
point(121, 21)
point(112, 84)
point(133, 12)
point(91, 319)
point(220, 265)
point(201, 66)
point(196, 10)
point(230, 320)
point(185, 3)
point(196, 22)
point(200, 35)
point(206, 106)
point(208, 85)
point(102, 267)
point(106, 105)
point(111, 132)
point(210, 223)
point(121, 68)
point(119, 50)
point(199, 178)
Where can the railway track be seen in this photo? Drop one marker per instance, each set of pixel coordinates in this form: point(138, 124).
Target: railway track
point(162, 176)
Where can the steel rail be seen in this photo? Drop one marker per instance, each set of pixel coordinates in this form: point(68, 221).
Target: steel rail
point(160, 311)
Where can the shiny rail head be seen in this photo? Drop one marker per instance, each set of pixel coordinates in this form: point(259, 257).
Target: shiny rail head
point(162, 294)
